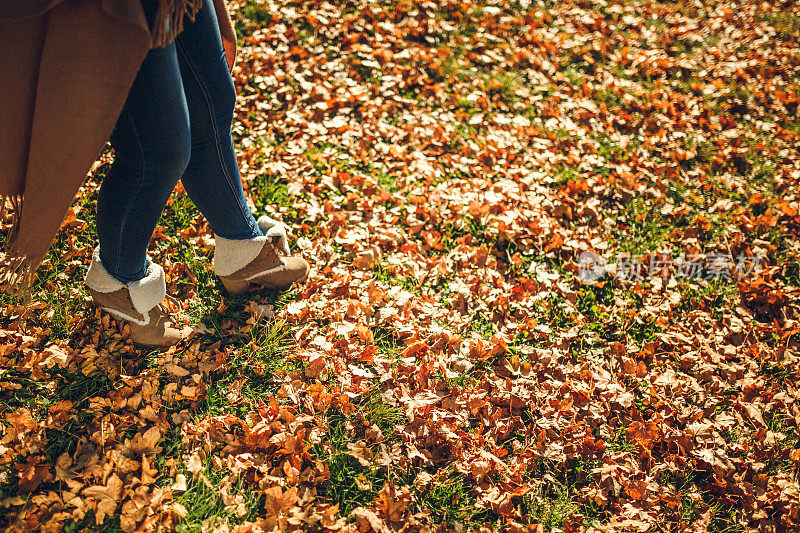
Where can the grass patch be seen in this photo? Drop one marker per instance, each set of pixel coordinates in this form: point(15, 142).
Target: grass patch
point(206, 506)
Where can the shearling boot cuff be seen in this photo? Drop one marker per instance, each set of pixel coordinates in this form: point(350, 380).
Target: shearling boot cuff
point(232, 255)
point(145, 293)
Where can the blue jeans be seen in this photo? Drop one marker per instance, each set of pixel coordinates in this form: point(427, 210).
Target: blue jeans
point(176, 124)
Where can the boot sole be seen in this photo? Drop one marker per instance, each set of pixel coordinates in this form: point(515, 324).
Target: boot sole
point(238, 288)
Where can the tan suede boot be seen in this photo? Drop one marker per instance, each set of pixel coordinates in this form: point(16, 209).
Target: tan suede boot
point(242, 263)
point(139, 303)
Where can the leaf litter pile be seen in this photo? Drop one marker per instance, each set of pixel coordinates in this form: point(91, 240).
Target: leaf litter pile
point(453, 361)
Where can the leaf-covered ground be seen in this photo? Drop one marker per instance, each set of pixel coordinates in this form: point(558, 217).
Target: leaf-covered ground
point(448, 167)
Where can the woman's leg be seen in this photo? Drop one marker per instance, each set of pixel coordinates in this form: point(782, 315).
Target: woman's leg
point(151, 141)
point(212, 177)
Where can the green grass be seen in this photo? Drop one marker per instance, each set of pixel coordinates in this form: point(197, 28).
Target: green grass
point(696, 502)
point(250, 17)
point(641, 231)
point(351, 483)
point(385, 275)
point(553, 503)
point(205, 504)
point(786, 22)
point(450, 500)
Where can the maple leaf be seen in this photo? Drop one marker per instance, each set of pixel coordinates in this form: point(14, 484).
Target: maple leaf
point(279, 501)
point(32, 473)
point(393, 502)
point(144, 443)
point(106, 497)
point(368, 520)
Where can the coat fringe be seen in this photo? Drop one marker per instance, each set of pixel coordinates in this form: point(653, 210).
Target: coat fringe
point(16, 269)
point(169, 19)
point(14, 265)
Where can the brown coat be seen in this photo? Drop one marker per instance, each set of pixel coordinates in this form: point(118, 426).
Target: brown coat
point(67, 66)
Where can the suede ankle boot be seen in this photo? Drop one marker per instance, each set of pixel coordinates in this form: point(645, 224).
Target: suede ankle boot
point(242, 263)
point(139, 303)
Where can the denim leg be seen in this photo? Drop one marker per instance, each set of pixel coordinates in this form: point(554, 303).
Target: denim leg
point(151, 143)
point(212, 177)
